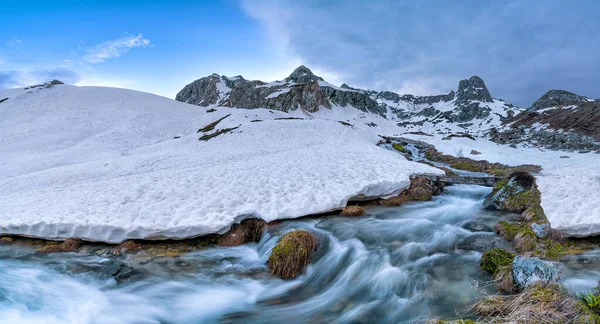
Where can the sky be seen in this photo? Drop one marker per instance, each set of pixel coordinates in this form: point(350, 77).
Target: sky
point(520, 48)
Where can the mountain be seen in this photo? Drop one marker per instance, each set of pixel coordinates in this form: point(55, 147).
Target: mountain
point(559, 120)
point(470, 109)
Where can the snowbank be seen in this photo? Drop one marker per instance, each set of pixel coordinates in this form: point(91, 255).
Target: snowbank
point(110, 164)
point(570, 186)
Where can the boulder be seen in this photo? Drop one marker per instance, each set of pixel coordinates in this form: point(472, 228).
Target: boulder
point(482, 242)
point(527, 271)
point(475, 226)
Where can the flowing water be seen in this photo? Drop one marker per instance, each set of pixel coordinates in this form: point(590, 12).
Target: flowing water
point(399, 265)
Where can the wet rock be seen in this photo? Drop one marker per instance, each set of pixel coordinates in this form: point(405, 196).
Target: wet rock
point(292, 254)
point(541, 230)
point(482, 242)
point(515, 193)
point(248, 231)
point(475, 226)
point(527, 271)
point(119, 271)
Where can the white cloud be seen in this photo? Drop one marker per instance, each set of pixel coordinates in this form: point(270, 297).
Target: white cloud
point(115, 48)
point(15, 42)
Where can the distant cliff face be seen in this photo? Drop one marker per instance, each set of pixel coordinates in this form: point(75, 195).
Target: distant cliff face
point(470, 108)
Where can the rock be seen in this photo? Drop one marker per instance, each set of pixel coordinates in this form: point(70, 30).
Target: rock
point(475, 226)
point(302, 74)
point(292, 254)
point(353, 211)
point(119, 271)
point(541, 230)
point(248, 231)
point(474, 152)
point(482, 242)
point(527, 271)
point(558, 98)
point(307, 91)
point(564, 157)
point(515, 193)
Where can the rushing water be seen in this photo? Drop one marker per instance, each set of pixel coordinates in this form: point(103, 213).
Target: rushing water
point(399, 265)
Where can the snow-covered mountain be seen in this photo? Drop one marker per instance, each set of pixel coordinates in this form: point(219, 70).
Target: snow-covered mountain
point(470, 109)
point(109, 164)
point(559, 120)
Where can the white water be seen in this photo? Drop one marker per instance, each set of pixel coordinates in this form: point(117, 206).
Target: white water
point(397, 266)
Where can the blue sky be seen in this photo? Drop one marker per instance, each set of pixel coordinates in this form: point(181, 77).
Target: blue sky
point(520, 48)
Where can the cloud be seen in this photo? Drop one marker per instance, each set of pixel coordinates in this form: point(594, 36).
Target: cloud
point(23, 78)
point(115, 48)
point(15, 42)
point(520, 48)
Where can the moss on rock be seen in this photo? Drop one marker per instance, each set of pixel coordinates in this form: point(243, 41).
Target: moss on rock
point(292, 254)
point(399, 148)
point(495, 259)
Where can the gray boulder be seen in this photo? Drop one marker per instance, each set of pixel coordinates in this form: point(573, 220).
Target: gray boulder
point(527, 271)
point(475, 226)
point(540, 230)
point(482, 242)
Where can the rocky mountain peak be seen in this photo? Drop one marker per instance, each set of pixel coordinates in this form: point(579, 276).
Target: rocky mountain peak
point(473, 89)
point(302, 74)
point(558, 98)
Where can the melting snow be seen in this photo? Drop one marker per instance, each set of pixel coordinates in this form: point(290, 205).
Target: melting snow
point(111, 164)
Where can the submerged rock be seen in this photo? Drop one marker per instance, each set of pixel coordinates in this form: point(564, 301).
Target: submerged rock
point(475, 226)
point(482, 242)
point(292, 254)
point(527, 271)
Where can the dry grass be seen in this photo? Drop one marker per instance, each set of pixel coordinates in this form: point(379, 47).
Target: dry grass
point(504, 281)
point(70, 245)
point(217, 133)
point(6, 240)
point(249, 230)
point(292, 254)
point(212, 125)
point(540, 303)
point(353, 211)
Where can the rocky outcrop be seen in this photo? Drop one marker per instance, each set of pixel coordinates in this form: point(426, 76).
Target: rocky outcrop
point(472, 104)
point(558, 98)
point(559, 120)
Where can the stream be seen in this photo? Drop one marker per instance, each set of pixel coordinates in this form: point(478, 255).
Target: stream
point(397, 265)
